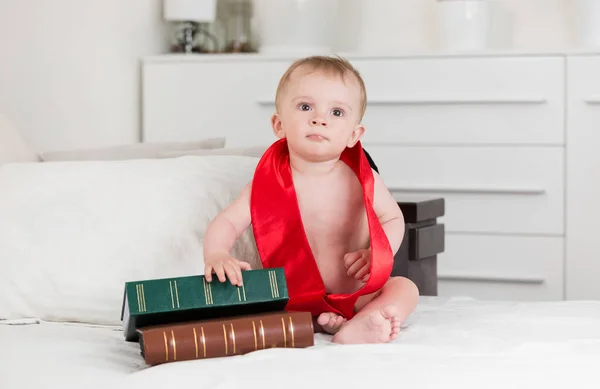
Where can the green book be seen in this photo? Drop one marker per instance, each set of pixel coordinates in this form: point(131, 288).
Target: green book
point(181, 299)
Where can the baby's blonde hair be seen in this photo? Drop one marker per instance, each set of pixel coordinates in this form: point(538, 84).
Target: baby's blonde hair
point(331, 65)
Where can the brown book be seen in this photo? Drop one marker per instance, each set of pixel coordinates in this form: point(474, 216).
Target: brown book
point(225, 337)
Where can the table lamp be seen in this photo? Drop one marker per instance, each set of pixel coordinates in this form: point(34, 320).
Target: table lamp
point(189, 14)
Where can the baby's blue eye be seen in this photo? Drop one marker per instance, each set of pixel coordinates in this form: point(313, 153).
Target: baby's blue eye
point(337, 112)
point(305, 107)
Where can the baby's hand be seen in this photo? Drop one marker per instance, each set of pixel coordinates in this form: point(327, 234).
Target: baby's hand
point(358, 263)
point(225, 265)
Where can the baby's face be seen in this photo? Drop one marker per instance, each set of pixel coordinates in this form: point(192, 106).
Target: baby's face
point(319, 113)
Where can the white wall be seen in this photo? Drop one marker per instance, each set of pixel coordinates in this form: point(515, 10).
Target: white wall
point(69, 68)
point(410, 25)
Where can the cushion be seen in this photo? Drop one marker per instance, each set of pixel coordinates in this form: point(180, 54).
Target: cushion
point(72, 233)
point(254, 151)
point(13, 147)
point(132, 151)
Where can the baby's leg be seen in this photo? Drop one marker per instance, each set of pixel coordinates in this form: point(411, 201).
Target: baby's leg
point(378, 320)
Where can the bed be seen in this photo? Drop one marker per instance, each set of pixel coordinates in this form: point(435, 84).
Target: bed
point(446, 343)
point(72, 232)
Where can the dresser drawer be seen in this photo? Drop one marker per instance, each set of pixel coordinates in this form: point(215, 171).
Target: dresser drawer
point(484, 100)
point(583, 170)
point(486, 189)
point(501, 267)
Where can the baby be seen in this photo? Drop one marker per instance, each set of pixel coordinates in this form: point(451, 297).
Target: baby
point(337, 234)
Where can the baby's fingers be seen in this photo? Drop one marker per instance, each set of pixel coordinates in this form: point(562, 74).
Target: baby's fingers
point(351, 258)
point(232, 273)
point(220, 272)
point(245, 266)
point(208, 273)
point(356, 266)
point(362, 273)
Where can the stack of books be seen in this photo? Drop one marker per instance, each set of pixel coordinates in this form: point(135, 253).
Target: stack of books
point(186, 318)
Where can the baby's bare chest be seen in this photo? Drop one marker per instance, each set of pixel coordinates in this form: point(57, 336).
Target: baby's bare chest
point(333, 214)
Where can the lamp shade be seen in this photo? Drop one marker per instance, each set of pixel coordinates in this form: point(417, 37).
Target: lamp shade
point(190, 10)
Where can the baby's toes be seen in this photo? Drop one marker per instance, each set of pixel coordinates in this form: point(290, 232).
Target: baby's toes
point(324, 318)
point(332, 320)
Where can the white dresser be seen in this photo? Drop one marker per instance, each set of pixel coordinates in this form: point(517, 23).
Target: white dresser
point(512, 142)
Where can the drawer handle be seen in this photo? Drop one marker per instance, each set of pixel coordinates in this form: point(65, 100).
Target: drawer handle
point(593, 99)
point(469, 190)
point(434, 101)
point(500, 279)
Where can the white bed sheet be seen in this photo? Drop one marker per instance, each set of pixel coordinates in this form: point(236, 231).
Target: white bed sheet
point(446, 343)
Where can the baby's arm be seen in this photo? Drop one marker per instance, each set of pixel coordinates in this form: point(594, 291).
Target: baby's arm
point(389, 213)
point(221, 234)
point(391, 219)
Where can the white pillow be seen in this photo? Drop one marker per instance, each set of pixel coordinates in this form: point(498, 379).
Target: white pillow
point(252, 151)
point(131, 151)
point(13, 147)
point(72, 233)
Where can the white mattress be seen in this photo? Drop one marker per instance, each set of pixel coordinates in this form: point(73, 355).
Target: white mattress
point(446, 343)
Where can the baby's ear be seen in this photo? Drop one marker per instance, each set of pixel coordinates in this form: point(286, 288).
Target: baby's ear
point(277, 126)
point(357, 133)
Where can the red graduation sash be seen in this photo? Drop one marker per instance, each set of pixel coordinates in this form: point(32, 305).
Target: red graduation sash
point(281, 240)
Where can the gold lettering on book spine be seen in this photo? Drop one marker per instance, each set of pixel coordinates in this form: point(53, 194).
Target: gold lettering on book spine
point(255, 340)
point(207, 292)
point(274, 287)
point(195, 341)
point(291, 329)
point(139, 290)
point(273, 281)
point(239, 294)
point(232, 336)
point(262, 333)
point(143, 298)
point(225, 338)
point(174, 346)
point(284, 333)
point(166, 347)
point(203, 341)
point(171, 288)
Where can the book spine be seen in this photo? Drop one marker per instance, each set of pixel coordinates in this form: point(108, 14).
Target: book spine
point(225, 337)
point(172, 294)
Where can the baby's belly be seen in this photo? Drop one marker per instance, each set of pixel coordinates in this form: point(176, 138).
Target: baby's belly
point(330, 260)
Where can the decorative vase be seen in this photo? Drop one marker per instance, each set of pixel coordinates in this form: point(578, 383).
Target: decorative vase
point(295, 27)
point(464, 24)
point(588, 22)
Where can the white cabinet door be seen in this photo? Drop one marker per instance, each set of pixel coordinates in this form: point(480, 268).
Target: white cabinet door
point(502, 267)
point(187, 100)
point(583, 179)
point(489, 190)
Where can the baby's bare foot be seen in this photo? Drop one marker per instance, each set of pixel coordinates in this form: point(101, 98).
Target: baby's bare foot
point(378, 326)
point(331, 322)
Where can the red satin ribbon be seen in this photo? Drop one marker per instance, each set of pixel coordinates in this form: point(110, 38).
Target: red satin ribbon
point(281, 240)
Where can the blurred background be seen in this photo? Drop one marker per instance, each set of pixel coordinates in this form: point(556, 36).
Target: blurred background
point(92, 48)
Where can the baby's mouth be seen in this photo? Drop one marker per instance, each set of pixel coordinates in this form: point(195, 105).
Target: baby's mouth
point(316, 137)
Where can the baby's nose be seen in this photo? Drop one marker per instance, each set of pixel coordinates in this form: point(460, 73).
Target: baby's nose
point(319, 122)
